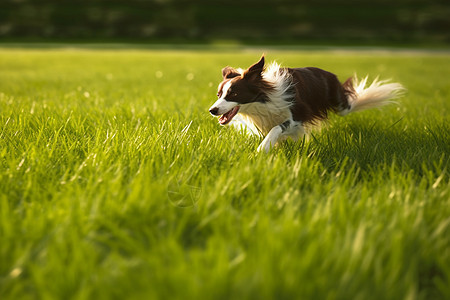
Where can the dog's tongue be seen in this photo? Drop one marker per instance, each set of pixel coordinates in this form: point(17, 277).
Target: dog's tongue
point(226, 117)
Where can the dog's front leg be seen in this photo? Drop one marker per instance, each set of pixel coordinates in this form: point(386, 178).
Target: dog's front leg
point(289, 128)
point(274, 136)
point(271, 139)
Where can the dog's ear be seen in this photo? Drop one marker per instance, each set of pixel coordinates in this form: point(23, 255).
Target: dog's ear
point(229, 72)
point(255, 70)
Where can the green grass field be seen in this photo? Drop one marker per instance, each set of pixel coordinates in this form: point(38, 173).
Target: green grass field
point(116, 183)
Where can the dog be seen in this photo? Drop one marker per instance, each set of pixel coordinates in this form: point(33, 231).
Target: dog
point(279, 103)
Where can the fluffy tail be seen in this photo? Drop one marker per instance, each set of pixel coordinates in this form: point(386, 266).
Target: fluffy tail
point(379, 93)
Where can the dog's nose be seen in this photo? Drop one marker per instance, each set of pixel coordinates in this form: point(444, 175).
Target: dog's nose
point(214, 111)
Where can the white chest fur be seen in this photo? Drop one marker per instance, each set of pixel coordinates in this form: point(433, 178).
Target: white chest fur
point(265, 116)
point(269, 114)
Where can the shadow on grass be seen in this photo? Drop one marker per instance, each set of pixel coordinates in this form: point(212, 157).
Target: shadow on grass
point(374, 147)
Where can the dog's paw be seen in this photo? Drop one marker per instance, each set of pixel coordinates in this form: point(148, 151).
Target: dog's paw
point(264, 147)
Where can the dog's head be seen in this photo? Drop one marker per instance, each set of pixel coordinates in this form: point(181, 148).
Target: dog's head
point(238, 89)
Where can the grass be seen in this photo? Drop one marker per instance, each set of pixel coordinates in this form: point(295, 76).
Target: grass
point(115, 183)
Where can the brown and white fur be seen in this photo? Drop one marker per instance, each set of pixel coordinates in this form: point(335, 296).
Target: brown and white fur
point(279, 102)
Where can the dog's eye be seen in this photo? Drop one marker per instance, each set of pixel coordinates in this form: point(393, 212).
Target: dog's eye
point(233, 94)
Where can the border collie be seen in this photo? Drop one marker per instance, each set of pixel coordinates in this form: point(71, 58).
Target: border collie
point(280, 102)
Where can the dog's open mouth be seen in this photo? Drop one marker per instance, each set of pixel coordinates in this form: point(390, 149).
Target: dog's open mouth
point(228, 116)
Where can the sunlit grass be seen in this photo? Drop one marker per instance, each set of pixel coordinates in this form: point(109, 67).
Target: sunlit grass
point(116, 183)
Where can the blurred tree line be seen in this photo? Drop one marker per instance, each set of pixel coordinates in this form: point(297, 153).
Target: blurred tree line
point(245, 20)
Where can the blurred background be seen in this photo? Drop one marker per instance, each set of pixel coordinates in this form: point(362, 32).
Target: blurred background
point(244, 21)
